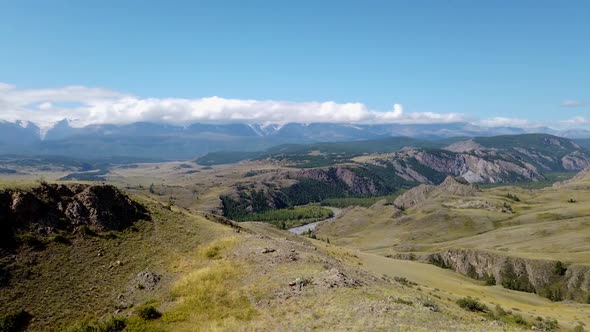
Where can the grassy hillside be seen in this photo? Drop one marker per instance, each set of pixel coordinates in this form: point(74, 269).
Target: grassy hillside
point(211, 278)
point(554, 217)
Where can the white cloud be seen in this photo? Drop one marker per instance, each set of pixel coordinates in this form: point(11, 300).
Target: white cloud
point(84, 106)
point(572, 103)
point(576, 121)
point(505, 122)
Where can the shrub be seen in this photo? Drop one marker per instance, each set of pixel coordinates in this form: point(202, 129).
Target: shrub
point(404, 281)
point(513, 281)
point(114, 324)
point(471, 304)
point(559, 269)
point(148, 312)
point(500, 312)
point(58, 238)
point(548, 325)
point(513, 197)
point(552, 292)
point(399, 300)
point(518, 319)
point(111, 235)
point(578, 328)
point(16, 321)
point(429, 303)
point(490, 280)
point(4, 276)
point(86, 231)
point(30, 240)
point(212, 252)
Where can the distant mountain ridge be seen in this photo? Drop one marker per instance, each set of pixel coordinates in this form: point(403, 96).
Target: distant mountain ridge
point(499, 159)
point(167, 142)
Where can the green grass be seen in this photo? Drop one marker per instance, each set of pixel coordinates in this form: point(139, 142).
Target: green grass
point(112, 324)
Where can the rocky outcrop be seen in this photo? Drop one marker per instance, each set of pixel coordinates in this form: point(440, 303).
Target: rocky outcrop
point(575, 161)
point(413, 196)
point(52, 207)
point(551, 279)
point(450, 186)
point(475, 166)
point(334, 278)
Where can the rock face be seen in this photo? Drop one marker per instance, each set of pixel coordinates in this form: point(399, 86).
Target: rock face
point(450, 186)
point(475, 166)
point(52, 207)
point(355, 184)
point(575, 161)
point(551, 279)
point(545, 152)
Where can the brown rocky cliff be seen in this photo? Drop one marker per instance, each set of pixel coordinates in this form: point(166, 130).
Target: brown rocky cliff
point(548, 278)
point(52, 207)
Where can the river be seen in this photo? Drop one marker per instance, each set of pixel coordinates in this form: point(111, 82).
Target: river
point(311, 226)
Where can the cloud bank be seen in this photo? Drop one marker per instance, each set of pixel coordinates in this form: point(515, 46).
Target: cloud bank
point(576, 121)
point(506, 122)
point(84, 106)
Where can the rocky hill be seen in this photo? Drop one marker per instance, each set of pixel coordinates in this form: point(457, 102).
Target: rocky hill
point(433, 165)
point(501, 159)
point(290, 188)
point(55, 208)
point(545, 152)
point(424, 192)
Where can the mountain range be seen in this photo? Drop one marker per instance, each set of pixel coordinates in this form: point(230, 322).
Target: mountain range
point(169, 142)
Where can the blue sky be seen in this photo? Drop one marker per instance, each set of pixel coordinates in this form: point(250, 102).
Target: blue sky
point(482, 59)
